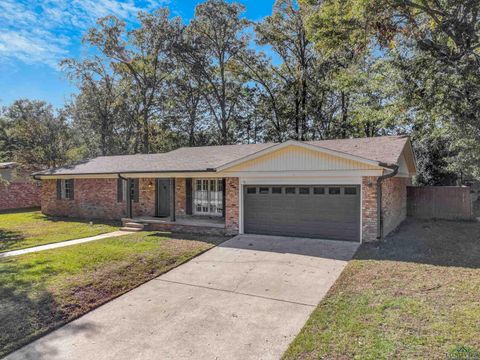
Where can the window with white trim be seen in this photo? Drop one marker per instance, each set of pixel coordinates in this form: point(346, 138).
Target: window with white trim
point(65, 190)
point(208, 197)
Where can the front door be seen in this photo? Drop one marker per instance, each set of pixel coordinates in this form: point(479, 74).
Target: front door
point(163, 197)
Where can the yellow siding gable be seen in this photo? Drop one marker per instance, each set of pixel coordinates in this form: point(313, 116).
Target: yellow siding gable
point(295, 158)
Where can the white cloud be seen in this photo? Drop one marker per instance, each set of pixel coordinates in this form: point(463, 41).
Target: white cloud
point(45, 32)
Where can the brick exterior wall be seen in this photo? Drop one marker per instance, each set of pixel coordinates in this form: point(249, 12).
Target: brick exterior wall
point(180, 197)
point(369, 208)
point(231, 205)
point(394, 205)
point(19, 195)
point(146, 198)
point(394, 202)
point(97, 199)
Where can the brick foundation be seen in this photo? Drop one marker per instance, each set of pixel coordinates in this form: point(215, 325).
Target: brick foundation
point(231, 205)
point(20, 195)
point(188, 229)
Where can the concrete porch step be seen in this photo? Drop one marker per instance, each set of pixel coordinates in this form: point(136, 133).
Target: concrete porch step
point(130, 229)
point(132, 226)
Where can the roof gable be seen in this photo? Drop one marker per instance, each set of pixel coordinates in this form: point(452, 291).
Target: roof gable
point(296, 157)
point(309, 148)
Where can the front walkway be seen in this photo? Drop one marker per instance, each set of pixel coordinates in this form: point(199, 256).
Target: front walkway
point(245, 299)
point(62, 244)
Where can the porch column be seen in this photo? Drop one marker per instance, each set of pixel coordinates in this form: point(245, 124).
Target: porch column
point(129, 199)
point(172, 199)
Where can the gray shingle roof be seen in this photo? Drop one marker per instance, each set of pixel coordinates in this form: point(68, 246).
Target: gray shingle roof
point(386, 149)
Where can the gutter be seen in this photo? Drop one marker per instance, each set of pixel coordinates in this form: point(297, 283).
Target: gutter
point(128, 172)
point(380, 179)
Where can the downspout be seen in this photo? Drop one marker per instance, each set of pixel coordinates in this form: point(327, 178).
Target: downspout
point(129, 196)
point(379, 198)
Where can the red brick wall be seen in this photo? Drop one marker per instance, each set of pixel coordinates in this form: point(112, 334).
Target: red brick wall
point(369, 208)
point(394, 202)
point(180, 197)
point(18, 195)
point(97, 199)
point(394, 205)
point(231, 205)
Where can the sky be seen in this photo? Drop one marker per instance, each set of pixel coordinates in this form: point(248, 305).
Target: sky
point(36, 34)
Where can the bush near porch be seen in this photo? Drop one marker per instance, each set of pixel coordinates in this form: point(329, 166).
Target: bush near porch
point(26, 228)
point(42, 291)
point(414, 297)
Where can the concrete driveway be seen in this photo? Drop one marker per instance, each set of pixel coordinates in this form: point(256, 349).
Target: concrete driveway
point(245, 299)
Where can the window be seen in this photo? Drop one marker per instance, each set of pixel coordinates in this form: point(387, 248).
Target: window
point(65, 189)
point(208, 197)
point(124, 185)
point(276, 190)
point(263, 190)
point(289, 190)
point(304, 191)
point(350, 191)
point(251, 190)
point(318, 190)
point(334, 191)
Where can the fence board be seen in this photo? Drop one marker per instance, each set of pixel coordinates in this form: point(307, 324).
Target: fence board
point(439, 202)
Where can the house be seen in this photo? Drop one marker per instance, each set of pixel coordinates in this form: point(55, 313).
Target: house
point(350, 189)
point(17, 189)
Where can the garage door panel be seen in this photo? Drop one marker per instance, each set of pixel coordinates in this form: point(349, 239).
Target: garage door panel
point(314, 215)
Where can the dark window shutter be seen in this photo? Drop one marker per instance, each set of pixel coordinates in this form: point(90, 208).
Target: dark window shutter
point(72, 188)
point(188, 196)
point(59, 189)
point(120, 190)
point(135, 190)
point(223, 196)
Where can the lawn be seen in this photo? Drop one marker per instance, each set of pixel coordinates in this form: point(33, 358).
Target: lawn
point(416, 296)
point(26, 228)
point(41, 291)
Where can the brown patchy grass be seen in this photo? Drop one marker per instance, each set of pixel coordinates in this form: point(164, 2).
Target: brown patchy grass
point(42, 291)
point(417, 296)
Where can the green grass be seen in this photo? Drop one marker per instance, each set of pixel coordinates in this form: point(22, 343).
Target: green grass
point(415, 297)
point(26, 228)
point(41, 291)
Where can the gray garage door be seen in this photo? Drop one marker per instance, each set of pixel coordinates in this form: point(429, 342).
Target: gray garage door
point(328, 211)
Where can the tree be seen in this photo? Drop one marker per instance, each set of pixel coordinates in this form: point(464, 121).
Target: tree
point(96, 108)
point(142, 56)
point(214, 41)
point(285, 32)
point(37, 137)
point(436, 46)
point(185, 105)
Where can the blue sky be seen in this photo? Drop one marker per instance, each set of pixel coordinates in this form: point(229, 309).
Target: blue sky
point(35, 35)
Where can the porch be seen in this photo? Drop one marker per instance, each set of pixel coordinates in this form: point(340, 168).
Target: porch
point(182, 204)
point(180, 220)
point(194, 224)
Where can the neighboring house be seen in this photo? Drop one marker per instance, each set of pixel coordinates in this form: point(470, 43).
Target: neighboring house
point(17, 189)
point(321, 189)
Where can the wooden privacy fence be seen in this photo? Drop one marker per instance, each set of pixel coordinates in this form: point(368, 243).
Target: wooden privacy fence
point(439, 202)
